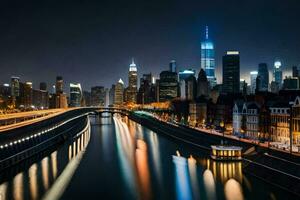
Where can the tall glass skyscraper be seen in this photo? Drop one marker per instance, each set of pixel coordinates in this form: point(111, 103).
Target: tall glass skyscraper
point(263, 73)
point(208, 59)
point(231, 72)
point(277, 73)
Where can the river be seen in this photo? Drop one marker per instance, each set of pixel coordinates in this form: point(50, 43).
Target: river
point(117, 158)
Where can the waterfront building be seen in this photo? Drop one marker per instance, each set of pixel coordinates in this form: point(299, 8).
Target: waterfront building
point(168, 86)
point(280, 122)
point(97, 96)
point(119, 93)
point(296, 122)
point(208, 59)
point(172, 66)
point(59, 85)
point(263, 73)
point(252, 121)
point(197, 113)
point(253, 76)
point(202, 84)
point(231, 72)
point(131, 91)
point(277, 73)
point(76, 95)
point(291, 83)
point(239, 112)
point(190, 88)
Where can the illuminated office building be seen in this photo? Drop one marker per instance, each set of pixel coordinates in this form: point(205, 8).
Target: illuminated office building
point(208, 59)
point(231, 72)
point(253, 76)
point(263, 73)
point(277, 72)
point(119, 93)
point(131, 91)
point(59, 85)
point(76, 95)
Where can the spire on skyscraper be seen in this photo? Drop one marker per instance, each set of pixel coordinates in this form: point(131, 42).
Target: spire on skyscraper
point(132, 66)
point(206, 32)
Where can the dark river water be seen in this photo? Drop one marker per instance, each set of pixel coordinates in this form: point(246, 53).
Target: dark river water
point(119, 159)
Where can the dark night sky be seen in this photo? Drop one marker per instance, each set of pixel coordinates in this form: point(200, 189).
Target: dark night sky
point(92, 42)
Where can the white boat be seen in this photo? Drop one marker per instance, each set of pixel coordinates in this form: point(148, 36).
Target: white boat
point(226, 153)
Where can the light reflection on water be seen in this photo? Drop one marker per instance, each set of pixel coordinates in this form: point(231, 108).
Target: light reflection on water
point(36, 180)
point(186, 169)
point(130, 162)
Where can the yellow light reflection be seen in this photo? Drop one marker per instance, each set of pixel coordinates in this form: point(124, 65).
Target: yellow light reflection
point(143, 169)
point(18, 187)
point(193, 176)
point(209, 183)
point(233, 190)
point(54, 164)
point(45, 174)
point(33, 184)
point(3, 190)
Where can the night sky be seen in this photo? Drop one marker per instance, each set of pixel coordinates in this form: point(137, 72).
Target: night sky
point(92, 42)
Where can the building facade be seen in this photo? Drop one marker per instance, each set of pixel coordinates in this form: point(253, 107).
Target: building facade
point(231, 72)
point(263, 73)
point(277, 73)
point(119, 93)
point(253, 76)
point(280, 123)
point(131, 91)
point(168, 86)
point(76, 95)
point(97, 96)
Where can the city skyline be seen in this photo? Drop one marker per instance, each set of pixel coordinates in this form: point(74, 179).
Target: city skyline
point(84, 44)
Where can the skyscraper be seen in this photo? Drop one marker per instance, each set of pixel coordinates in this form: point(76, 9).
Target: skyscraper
point(190, 88)
point(43, 86)
point(59, 85)
point(97, 96)
point(112, 94)
point(168, 86)
point(119, 93)
point(15, 86)
point(208, 59)
point(172, 66)
point(253, 76)
point(27, 95)
point(277, 73)
point(295, 71)
point(76, 95)
point(202, 84)
point(263, 73)
point(231, 72)
point(131, 91)
point(183, 74)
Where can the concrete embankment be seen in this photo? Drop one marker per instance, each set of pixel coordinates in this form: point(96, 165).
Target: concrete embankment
point(22, 143)
point(278, 168)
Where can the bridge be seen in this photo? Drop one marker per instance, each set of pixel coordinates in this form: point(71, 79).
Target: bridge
point(119, 110)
